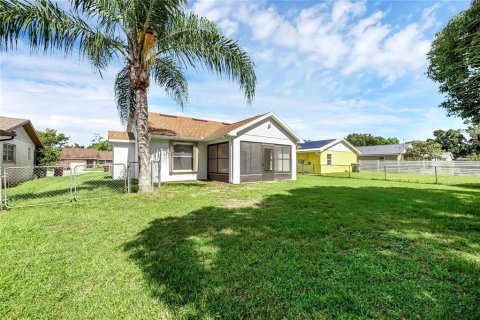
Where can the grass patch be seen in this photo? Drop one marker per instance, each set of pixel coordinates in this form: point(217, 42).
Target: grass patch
point(461, 181)
point(320, 247)
point(92, 184)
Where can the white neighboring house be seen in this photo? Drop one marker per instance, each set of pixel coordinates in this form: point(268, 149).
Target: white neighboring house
point(18, 142)
point(260, 148)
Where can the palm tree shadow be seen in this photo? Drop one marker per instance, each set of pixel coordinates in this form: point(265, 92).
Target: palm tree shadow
point(295, 255)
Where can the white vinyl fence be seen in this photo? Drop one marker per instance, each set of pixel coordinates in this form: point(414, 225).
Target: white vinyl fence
point(441, 168)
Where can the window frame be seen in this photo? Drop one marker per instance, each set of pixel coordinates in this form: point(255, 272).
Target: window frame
point(172, 158)
point(5, 153)
point(282, 159)
point(209, 157)
point(329, 159)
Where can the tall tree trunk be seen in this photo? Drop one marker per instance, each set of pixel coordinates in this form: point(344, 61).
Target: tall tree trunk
point(143, 142)
point(140, 83)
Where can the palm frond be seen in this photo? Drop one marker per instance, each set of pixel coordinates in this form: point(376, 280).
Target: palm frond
point(43, 23)
point(124, 96)
point(168, 75)
point(196, 41)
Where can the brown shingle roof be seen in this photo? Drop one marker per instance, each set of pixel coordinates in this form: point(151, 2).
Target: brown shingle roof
point(84, 153)
point(120, 135)
point(10, 124)
point(169, 125)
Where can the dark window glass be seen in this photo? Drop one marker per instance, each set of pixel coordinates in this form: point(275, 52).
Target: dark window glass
point(329, 159)
point(9, 152)
point(183, 163)
point(182, 157)
point(218, 158)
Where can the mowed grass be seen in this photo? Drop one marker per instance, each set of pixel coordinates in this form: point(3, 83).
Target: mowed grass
point(47, 190)
point(460, 181)
point(317, 248)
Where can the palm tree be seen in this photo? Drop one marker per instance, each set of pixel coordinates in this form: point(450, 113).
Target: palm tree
point(157, 39)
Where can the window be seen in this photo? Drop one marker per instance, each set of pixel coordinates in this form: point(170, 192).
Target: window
point(9, 152)
point(301, 161)
point(250, 158)
point(381, 158)
point(29, 154)
point(282, 158)
point(329, 159)
point(218, 158)
point(182, 157)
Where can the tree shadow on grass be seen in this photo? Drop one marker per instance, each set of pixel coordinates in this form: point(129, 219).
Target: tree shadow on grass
point(319, 252)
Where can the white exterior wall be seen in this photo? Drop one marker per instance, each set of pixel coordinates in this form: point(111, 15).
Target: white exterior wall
point(123, 152)
point(341, 146)
point(160, 150)
point(267, 131)
point(22, 142)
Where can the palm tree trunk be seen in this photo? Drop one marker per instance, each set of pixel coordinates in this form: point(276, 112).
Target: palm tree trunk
point(143, 143)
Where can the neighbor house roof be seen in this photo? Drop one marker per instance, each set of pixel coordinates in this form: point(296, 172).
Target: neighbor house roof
point(120, 135)
point(316, 144)
point(192, 128)
point(387, 149)
point(322, 145)
point(84, 154)
point(10, 124)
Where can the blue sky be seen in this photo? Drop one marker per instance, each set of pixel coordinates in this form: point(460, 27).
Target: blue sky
point(328, 68)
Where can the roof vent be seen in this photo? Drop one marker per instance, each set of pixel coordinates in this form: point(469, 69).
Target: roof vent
point(225, 123)
point(199, 120)
point(167, 115)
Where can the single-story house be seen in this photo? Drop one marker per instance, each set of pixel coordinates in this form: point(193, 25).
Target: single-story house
point(260, 148)
point(85, 157)
point(383, 152)
point(324, 156)
point(18, 142)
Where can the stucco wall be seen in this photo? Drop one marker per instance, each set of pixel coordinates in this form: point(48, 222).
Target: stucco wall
point(160, 151)
point(342, 157)
point(268, 132)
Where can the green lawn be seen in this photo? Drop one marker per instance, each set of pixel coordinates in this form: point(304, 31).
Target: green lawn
point(321, 247)
point(91, 184)
point(460, 181)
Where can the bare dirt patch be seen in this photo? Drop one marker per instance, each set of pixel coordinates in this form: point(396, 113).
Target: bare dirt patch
point(241, 203)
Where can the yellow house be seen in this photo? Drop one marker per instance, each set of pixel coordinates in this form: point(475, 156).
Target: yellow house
point(326, 156)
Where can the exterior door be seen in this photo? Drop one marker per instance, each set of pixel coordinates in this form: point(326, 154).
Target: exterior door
point(268, 164)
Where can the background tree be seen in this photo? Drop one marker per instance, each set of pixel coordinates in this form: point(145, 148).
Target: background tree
point(455, 64)
point(423, 150)
point(53, 142)
point(156, 39)
point(99, 143)
point(75, 145)
point(452, 141)
point(366, 139)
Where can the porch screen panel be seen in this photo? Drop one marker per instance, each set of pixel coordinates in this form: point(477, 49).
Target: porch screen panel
point(218, 158)
point(250, 158)
point(282, 158)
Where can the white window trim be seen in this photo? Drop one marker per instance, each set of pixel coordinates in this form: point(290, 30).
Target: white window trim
point(173, 157)
point(14, 153)
point(331, 159)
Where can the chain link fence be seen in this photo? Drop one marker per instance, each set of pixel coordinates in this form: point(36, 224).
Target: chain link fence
point(91, 182)
point(30, 186)
point(466, 176)
point(44, 185)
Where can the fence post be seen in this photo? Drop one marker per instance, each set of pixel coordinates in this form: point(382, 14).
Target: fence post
point(71, 183)
point(320, 168)
point(1, 185)
point(349, 171)
point(436, 176)
point(385, 172)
